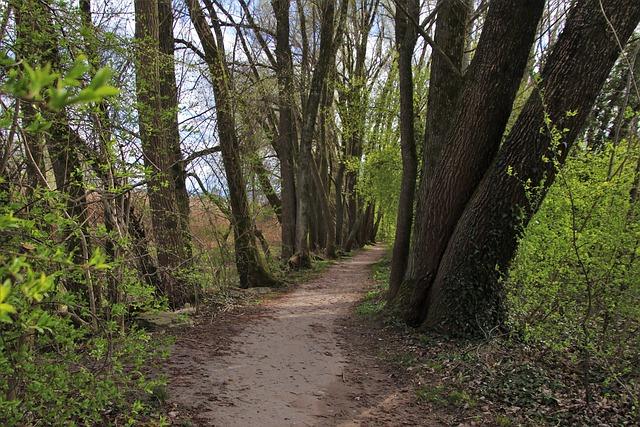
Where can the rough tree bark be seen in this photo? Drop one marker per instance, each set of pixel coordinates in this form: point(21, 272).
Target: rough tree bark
point(406, 36)
point(286, 134)
point(169, 100)
point(445, 84)
point(486, 100)
point(158, 131)
point(251, 270)
point(466, 297)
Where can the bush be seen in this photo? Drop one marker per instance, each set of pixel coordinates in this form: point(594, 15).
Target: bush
point(67, 352)
point(575, 282)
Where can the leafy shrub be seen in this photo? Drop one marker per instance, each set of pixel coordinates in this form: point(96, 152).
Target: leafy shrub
point(66, 354)
point(575, 282)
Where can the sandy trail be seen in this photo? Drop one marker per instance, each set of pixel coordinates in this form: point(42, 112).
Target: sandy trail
point(289, 366)
point(299, 361)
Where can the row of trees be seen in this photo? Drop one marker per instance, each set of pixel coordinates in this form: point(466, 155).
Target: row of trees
point(482, 180)
point(236, 104)
point(104, 156)
point(442, 122)
point(315, 96)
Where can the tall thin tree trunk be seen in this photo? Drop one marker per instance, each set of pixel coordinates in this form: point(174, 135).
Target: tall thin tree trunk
point(286, 134)
point(38, 42)
point(262, 173)
point(251, 270)
point(328, 46)
point(157, 116)
point(169, 101)
point(406, 36)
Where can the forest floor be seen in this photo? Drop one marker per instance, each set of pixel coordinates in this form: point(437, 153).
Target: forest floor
point(324, 352)
point(303, 357)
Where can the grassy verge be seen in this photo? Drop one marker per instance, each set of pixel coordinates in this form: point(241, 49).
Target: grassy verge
point(502, 381)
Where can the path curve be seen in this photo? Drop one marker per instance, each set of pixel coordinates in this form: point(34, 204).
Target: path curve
point(287, 366)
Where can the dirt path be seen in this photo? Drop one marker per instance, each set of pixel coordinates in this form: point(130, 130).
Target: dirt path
point(294, 362)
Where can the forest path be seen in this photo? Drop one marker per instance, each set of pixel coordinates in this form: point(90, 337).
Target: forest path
point(296, 362)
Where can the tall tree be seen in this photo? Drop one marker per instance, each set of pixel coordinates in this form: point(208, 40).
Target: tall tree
point(354, 97)
point(251, 269)
point(486, 100)
point(445, 84)
point(407, 15)
point(328, 46)
point(286, 134)
point(38, 42)
point(466, 296)
point(169, 101)
point(157, 117)
point(29, 47)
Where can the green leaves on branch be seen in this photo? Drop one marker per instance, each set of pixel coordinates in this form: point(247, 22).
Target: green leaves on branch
point(5, 309)
point(41, 83)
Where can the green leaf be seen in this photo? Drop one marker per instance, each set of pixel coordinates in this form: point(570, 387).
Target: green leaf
point(105, 91)
point(5, 310)
point(80, 67)
point(5, 290)
point(101, 78)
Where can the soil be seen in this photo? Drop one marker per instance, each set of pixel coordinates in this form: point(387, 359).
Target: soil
point(303, 358)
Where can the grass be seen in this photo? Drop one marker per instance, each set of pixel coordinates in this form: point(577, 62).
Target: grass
point(374, 300)
point(439, 395)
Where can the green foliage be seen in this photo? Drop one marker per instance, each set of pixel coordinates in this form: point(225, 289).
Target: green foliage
point(381, 169)
point(575, 282)
point(374, 300)
point(370, 308)
point(440, 395)
point(40, 83)
point(64, 360)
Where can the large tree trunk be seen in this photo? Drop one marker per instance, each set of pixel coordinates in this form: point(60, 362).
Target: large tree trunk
point(486, 101)
point(466, 297)
point(169, 101)
point(445, 84)
point(286, 134)
point(251, 270)
point(406, 36)
point(157, 117)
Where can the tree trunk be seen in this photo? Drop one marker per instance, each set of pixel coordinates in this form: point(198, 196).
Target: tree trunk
point(340, 204)
point(157, 115)
point(286, 134)
point(169, 100)
point(38, 44)
point(486, 100)
point(445, 84)
point(251, 270)
point(376, 227)
point(328, 46)
point(262, 173)
point(466, 297)
point(406, 37)
point(30, 49)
